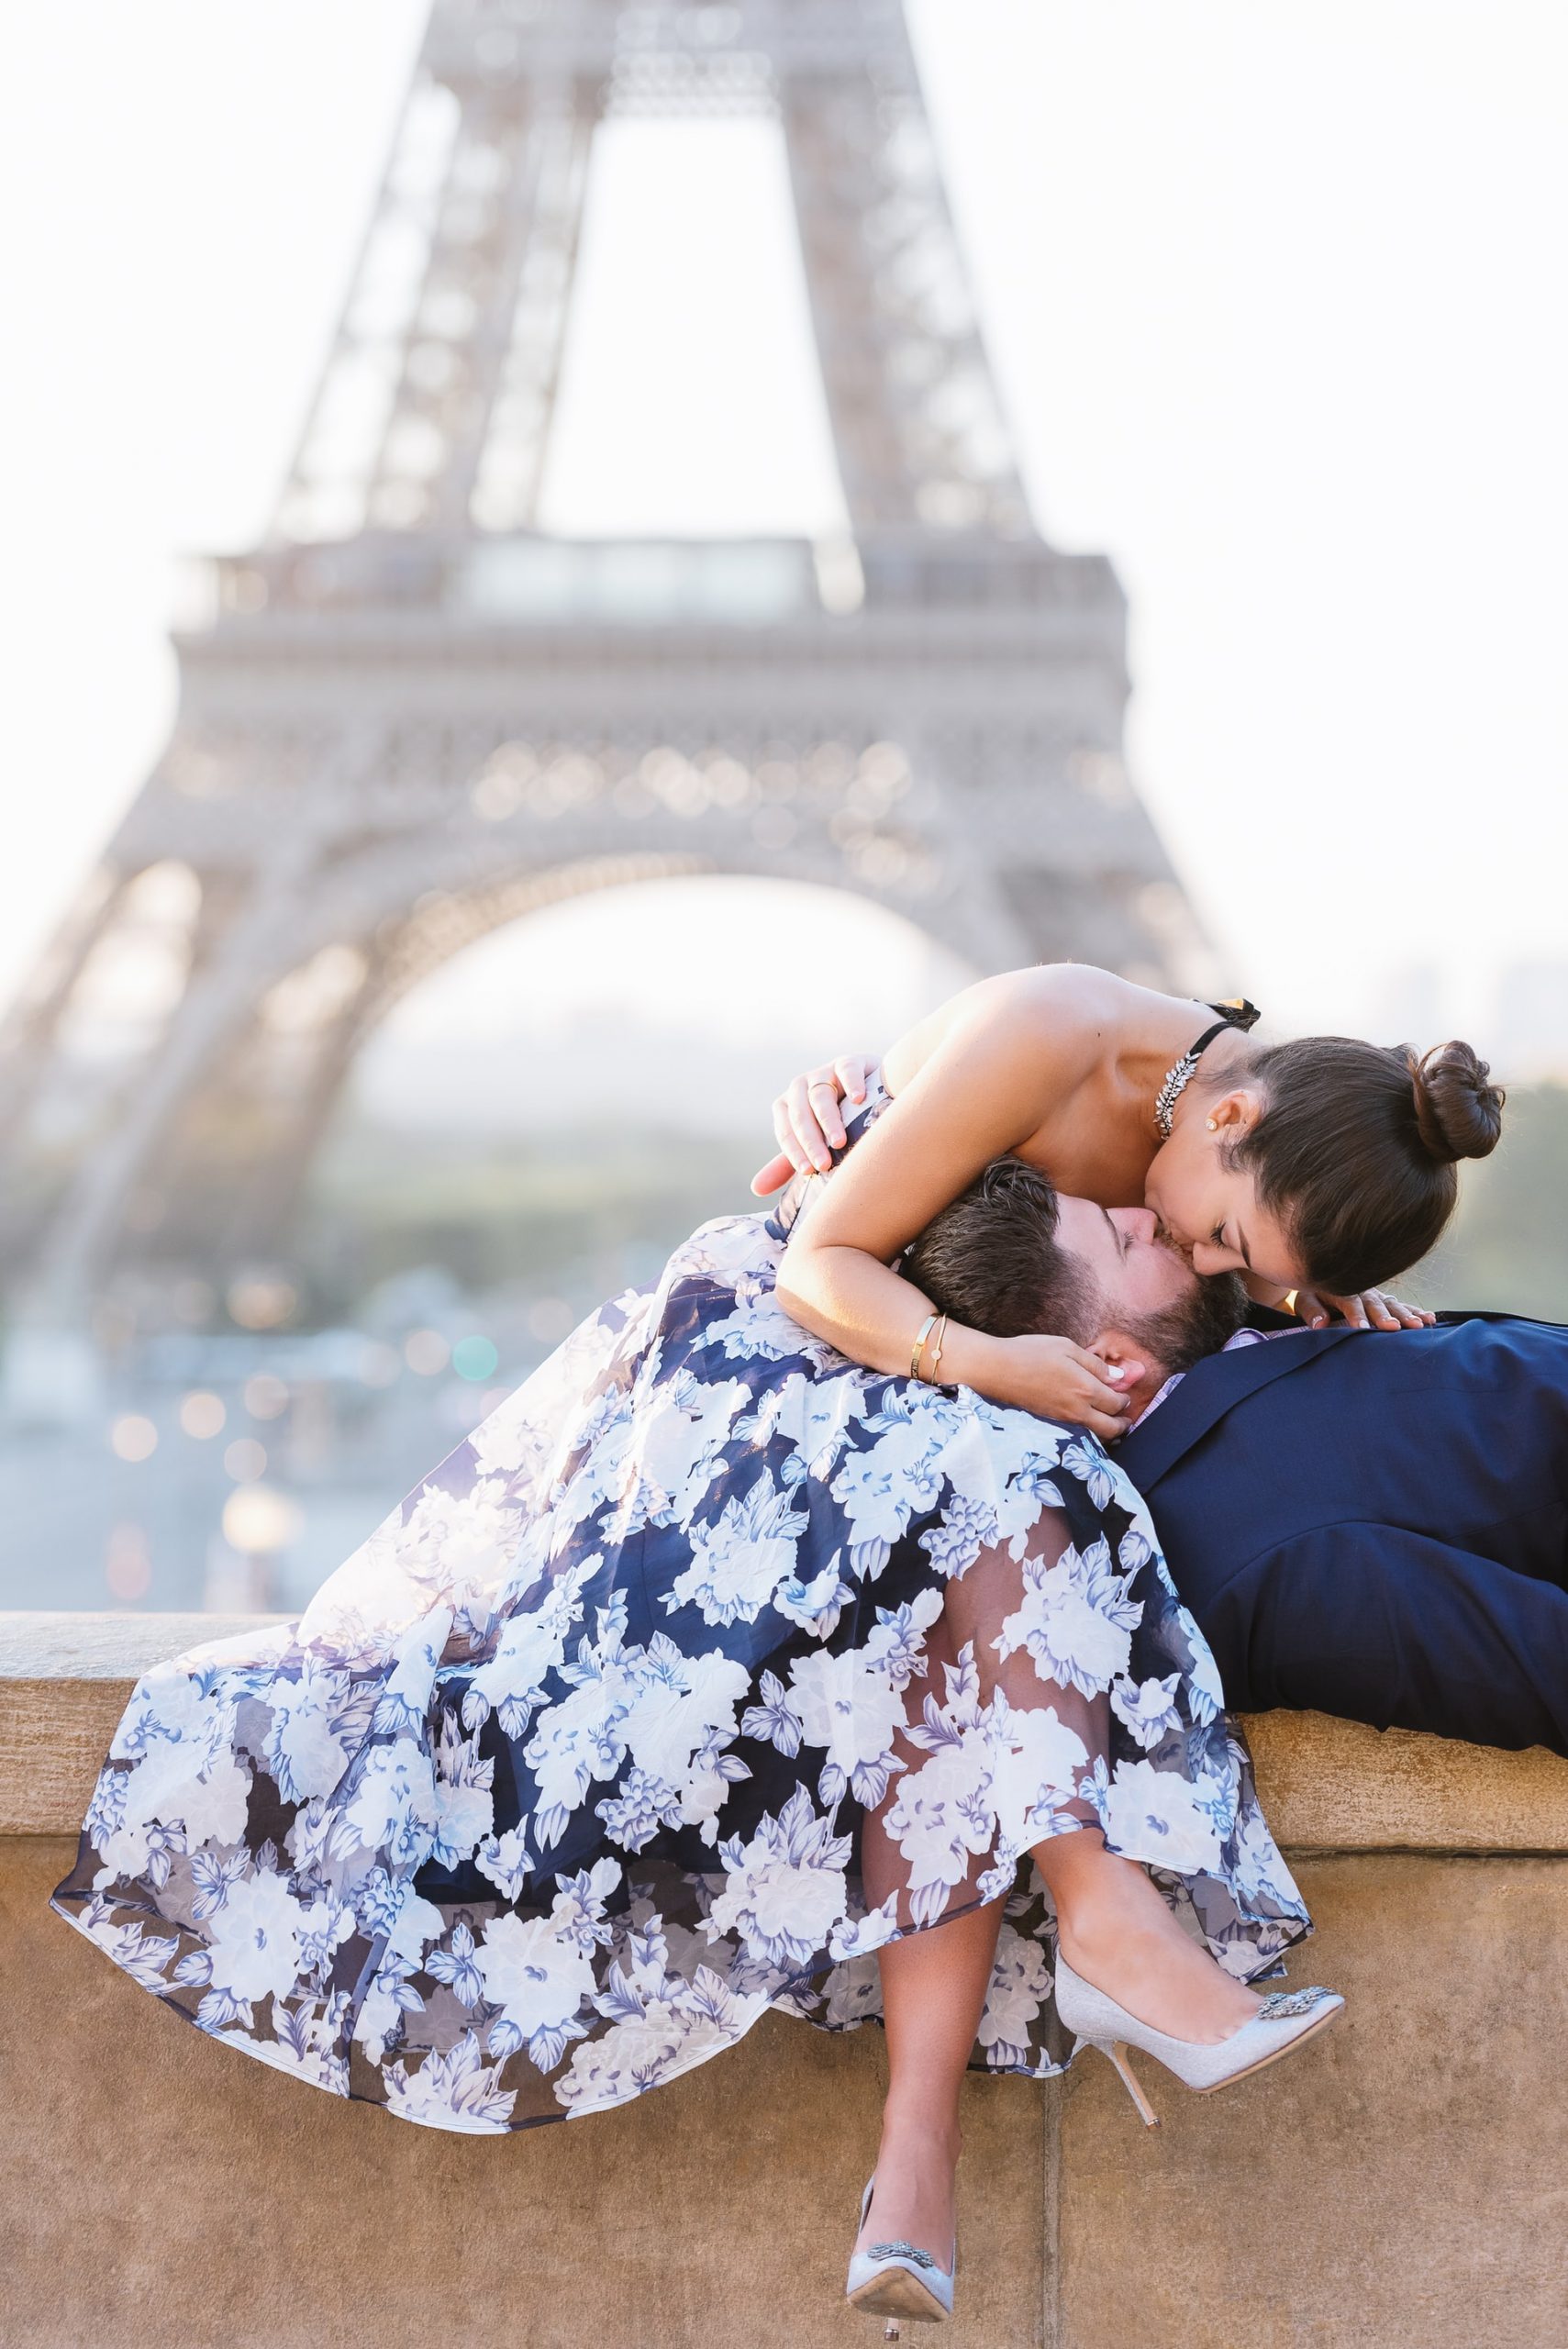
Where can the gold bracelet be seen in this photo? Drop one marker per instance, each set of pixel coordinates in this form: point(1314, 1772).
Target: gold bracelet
point(927, 1326)
point(941, 1332)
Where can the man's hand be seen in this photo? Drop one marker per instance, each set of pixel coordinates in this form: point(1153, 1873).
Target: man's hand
point(1371, 1310)
point(808, 1122)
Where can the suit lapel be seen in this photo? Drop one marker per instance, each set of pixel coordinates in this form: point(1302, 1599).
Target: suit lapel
point(1208, 1392)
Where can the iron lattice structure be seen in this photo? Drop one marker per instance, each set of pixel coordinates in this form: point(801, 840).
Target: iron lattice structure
point(411, 716)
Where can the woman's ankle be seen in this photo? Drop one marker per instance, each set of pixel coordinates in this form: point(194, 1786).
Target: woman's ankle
point(1100, 1937)
point(916, 2179)
point(1169, 1982)
point(915, 2129)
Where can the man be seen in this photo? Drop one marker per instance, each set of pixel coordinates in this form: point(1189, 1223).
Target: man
point(1012, 1255)
point(1373, 1526)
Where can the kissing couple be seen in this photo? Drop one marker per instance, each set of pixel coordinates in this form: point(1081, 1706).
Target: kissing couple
point(808, 1602)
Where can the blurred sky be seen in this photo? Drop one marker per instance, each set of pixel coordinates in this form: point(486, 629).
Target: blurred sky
point(1274, 295)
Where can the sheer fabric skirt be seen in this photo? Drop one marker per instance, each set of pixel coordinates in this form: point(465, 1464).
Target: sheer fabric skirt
point(709, 1663)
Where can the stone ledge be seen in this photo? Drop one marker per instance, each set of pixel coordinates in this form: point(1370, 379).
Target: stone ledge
point(1327, 1786)
point(64, 1681)
point(1333, 1785)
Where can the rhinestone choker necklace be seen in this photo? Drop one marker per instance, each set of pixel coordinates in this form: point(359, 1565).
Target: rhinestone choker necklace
point(1178, 1076)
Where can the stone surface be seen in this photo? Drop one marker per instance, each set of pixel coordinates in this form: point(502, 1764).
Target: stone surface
point(1325, 1785)
point(64, 1679)
point(1401, 2184)
point(45, 1643)
point(1332, 1786)
point(159, 2191)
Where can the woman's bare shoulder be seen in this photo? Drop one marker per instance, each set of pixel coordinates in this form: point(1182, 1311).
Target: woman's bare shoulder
point(1058, 1016)
point(1082, 1002)
point(1083, 989)
point(1068, 1001)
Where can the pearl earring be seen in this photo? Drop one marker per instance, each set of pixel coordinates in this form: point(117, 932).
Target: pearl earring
point(1214, 1125)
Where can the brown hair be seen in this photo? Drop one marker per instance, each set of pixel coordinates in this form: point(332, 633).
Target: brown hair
point(992, 1259)
point(1355, 1149)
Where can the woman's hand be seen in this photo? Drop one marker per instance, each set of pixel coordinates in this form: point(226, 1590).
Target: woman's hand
point(806, 1120)
point(1057, 1380)
point(1372, 1309)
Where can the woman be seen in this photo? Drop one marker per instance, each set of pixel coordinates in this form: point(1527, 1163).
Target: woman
point(712, 1672)
point(1313, 1169)
point(1348, 1180)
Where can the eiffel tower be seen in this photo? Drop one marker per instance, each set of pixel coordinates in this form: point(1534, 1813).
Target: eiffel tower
point(412, 716)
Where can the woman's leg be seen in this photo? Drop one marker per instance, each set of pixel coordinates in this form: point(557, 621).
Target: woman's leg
point(1116, 1927)
point(933, 1992)
point(1116, 1930)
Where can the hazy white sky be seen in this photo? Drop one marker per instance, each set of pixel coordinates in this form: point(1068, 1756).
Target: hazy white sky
point(1274, 295)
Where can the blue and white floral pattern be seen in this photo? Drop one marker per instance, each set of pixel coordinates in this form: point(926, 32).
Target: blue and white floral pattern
point(709, 1663)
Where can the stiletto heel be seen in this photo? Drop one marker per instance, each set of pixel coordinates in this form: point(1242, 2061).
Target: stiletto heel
point(1118, 2055)
point(1286, 2020)
point(899, 2279)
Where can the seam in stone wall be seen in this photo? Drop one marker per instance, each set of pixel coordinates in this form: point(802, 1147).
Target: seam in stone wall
point(1051, 2331)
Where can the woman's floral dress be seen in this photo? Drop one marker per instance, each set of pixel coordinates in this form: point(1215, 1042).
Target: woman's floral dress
point(707, 1664)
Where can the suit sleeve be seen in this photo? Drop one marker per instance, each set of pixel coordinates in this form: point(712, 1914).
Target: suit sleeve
point(1381, 1625)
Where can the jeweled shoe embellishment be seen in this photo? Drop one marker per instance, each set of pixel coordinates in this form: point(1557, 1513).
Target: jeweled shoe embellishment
point(898, 2279)
point(1280, 2005)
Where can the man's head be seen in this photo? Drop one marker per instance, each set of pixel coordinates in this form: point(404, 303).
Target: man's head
point(1013, 1255)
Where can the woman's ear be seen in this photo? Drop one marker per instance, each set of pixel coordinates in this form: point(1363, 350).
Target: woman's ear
point(1235, 1113)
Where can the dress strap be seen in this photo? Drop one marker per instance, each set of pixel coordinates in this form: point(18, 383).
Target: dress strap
point(1237, 1013)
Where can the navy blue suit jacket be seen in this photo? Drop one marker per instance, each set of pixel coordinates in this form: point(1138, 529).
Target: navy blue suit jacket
point(1376, 1524)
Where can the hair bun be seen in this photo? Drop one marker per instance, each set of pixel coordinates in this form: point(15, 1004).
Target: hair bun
point(1458, 1109)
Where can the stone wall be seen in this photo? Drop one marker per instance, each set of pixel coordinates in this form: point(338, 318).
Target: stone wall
point(1403, 2186)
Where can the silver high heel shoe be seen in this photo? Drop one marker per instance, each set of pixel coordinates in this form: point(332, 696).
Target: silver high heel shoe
point(898, 2279)
point(1285, 2019)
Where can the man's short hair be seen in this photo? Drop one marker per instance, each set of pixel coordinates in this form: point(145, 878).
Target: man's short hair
point(992, 1259)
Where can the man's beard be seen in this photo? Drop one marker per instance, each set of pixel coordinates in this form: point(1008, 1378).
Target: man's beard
point(1203, 1322)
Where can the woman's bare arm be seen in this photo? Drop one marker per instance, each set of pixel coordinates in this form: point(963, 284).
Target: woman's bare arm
point(984, 1088)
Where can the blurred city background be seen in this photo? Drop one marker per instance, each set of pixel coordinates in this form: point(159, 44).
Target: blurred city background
point(524, 644)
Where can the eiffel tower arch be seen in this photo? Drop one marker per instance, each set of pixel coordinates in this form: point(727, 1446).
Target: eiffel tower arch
point(412, 716)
